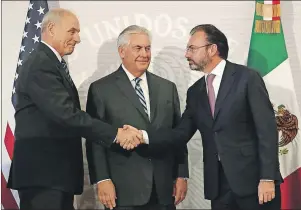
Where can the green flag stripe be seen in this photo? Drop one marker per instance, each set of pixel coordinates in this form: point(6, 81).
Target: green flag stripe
point(266, 51)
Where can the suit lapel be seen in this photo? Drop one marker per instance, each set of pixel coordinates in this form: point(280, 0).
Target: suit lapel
point(153, 87)
point(225, 86)
point(125, 86)
point(52, 56)
point(203, 103)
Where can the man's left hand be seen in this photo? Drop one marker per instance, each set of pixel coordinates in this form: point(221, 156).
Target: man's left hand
point(180, 190)
point(266, 191)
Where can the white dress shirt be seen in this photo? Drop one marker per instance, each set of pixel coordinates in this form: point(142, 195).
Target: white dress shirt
point(144, 86)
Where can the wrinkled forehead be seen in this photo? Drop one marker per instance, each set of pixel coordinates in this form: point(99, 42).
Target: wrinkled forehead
point(140, 39)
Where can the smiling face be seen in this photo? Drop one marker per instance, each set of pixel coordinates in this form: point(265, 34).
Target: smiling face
point(65, 34)
point(136, 55)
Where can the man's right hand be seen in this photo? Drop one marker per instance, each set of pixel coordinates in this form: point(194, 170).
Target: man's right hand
point(129, 138)
point(106, 193)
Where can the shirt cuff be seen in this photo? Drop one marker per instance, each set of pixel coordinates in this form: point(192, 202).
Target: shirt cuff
point(266, 180)
point(145, 136)
point(102, 181)
point(185, 178)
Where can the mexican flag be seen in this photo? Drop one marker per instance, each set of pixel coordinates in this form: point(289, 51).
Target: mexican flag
point(268, 55)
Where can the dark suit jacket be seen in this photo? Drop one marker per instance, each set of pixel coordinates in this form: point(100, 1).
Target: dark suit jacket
point(49, 127)
point(243, 131)
point(114, 100)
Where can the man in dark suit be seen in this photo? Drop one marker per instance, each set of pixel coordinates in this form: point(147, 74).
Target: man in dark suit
point(139, 178)
point(47, 166)
point(231, 109)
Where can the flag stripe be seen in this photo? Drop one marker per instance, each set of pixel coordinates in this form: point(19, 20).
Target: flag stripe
point(31, 36)
point(7, 198)
point(9, 141)
point(276, 2)
point(291, 191)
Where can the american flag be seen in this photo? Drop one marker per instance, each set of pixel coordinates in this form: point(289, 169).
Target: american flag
point(30, 38)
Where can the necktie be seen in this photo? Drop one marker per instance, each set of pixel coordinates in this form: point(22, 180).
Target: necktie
point(65, 67)
point(140, 93)
point(211, 94)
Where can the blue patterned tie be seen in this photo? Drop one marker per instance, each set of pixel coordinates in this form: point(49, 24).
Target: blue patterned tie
point(65, 67)
point(140, 93)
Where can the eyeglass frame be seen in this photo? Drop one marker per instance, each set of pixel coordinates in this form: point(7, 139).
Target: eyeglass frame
point(193, 49)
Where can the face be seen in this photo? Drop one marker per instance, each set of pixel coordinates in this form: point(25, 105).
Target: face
point(199, 52)
point(66, 34)
point(136, 56)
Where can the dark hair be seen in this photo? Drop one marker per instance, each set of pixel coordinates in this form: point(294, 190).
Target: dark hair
point(214, 36)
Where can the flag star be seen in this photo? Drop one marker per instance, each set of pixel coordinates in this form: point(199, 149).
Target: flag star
point(30, 6)
point(19, 62)
point(22, 48)
point(25, 34)
point(16, 76)
point(31, 51)
point(38, 24)
point(35, 38)
point(27, 20)
point(41, 10)
point(14, 90)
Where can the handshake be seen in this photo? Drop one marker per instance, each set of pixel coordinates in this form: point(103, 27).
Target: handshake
point(129, 137)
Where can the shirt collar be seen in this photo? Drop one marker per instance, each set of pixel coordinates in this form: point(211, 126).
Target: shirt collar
point(218, 70)
point(54, 51)
point(132, 77)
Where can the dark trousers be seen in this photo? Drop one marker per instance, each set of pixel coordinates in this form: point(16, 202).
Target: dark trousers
point(45, 198)
point(153, 204)
point(227, 200)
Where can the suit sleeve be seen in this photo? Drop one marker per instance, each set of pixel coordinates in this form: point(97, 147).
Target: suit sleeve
point(182, 169)
point(47, 91)
point(177, 137)
point(265, 124)
point(96, 153)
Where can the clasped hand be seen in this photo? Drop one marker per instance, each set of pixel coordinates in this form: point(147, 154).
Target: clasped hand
point(129, 137)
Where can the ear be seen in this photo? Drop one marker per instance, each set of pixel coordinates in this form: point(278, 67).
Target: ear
point(50, 28)
point(121, 51)
point(213, 50)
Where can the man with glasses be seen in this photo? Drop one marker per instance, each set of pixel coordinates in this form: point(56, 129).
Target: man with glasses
point(231, 108)
point(136, 178)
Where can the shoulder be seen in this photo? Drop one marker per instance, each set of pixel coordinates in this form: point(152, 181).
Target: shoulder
point(104, 81)
point(161, 80)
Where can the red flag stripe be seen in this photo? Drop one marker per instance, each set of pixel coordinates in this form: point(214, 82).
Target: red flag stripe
point(7, 199)
point(276, 2)
point(291, 191)
point(9, 141)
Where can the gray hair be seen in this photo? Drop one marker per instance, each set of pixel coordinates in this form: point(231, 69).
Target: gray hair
point(54, 15)
point(124, 36)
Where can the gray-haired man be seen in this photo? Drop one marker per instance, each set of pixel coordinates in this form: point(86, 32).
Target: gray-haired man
point(136, 179)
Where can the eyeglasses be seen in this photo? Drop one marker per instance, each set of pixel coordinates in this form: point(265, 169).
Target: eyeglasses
point(193, 49)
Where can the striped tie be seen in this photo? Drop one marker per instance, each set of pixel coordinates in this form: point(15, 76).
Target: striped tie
point(140, 93)
point(65, 67)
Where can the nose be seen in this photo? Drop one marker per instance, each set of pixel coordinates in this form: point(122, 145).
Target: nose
point(187, 54)
point(143, 52)
point(77, 38)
